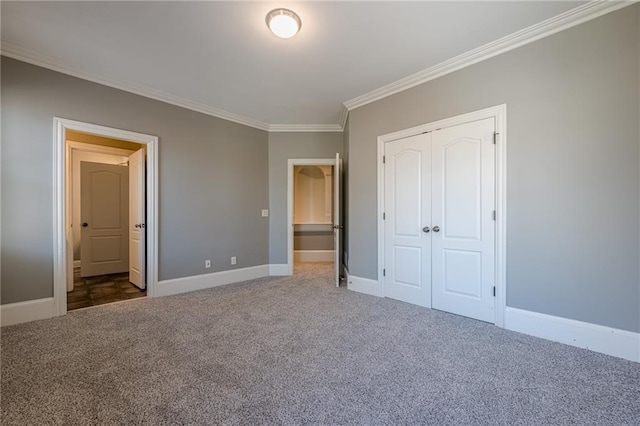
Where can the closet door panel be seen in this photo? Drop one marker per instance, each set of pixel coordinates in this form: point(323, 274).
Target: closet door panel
point(407, 196)
point(463, 182)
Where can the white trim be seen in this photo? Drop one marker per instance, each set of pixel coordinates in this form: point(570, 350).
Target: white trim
point(279, 270)
point(305, 128)
point(598, 338)
point(215, 279)
point(290, 164)
point(313, 255)
point(568, 19)
point(31, 310)
point(499, 113)
point(60, 126)
point(364, 285)
point(344, 116)
point(42, 60)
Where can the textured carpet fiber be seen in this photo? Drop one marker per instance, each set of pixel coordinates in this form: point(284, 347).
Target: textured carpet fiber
point(297, 350)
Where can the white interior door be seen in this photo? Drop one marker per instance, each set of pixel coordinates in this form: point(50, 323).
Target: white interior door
point(337, 225)
point(463, 174)
point(137, 230)
point(104, 199)
point(407, 221)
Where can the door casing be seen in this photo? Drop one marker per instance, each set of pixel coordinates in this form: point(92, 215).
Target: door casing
point(499, 113)
point(60, 184)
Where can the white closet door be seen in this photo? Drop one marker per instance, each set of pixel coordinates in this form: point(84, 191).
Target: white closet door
point(463, 161)
point(407, 198)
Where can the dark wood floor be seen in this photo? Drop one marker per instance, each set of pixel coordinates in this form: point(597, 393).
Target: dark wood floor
point(93, 291)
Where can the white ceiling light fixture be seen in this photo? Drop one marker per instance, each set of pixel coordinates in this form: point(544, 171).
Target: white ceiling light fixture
point(284, 23)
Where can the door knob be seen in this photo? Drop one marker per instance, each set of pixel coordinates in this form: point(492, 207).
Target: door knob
point(85, 224)
point(436, 229)
point(426, 229)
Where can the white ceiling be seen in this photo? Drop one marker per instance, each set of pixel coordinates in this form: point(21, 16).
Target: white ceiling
point(220, 55)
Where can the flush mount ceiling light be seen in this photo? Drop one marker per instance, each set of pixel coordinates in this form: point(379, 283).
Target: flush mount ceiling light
point(283, 22)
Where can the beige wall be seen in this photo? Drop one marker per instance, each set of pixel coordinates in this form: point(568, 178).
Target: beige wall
point(102, 141)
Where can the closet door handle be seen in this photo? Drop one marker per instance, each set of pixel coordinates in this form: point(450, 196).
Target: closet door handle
point(426, 229)
point(85, 224)
point(436, 229)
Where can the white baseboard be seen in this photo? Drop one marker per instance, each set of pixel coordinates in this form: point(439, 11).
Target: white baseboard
point(279, 270)
point(200, 282)
point(31, 310)
point(313, 255)
point(363, 285)
point(598, 338)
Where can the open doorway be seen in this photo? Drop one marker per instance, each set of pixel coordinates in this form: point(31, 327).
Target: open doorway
point(139, 212)
point(314, 225)
point(312, 214)
point(105, 211)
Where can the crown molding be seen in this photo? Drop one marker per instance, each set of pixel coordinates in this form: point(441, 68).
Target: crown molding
point(344, 115)
point(568, 19)
point(305, 128)
point(571, 18)
point(41, 60)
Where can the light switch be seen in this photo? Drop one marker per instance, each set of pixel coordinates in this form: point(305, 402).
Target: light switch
point(265, 212)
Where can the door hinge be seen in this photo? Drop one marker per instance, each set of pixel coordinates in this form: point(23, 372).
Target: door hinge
point(494, 291)
point(384, 159)
point(495, 137)
point(384, 216)
point(384, 272)
point(494, 215)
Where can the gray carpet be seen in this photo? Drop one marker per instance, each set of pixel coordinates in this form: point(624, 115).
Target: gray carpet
point(299, 351)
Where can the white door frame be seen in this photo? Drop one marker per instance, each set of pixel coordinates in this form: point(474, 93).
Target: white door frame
point(499, 113)
point(291, 163)
point(60, 225)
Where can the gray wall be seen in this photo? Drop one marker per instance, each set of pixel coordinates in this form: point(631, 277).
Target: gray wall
point(212, 183)
point(572, 166)
point(282, 147)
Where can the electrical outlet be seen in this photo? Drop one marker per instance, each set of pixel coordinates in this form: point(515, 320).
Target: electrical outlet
point(265, 212)
point(233, 260)
point(207, 264)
